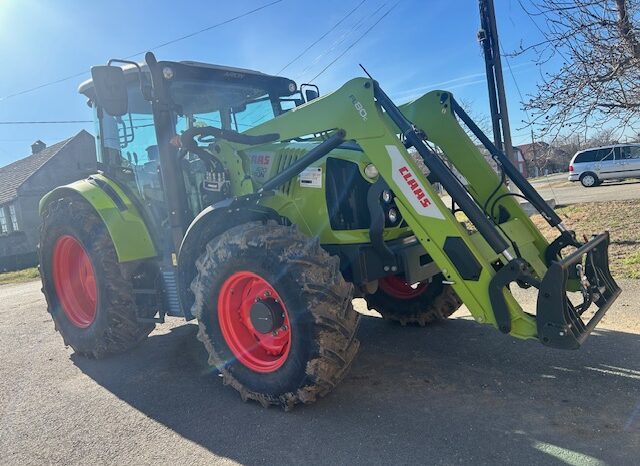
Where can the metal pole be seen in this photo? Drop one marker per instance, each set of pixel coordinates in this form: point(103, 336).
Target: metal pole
point(495, 77)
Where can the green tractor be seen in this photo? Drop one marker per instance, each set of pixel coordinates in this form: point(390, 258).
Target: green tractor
point(261, 209)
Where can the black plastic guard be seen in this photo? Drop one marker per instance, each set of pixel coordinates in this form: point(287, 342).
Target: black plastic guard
point(559, 321)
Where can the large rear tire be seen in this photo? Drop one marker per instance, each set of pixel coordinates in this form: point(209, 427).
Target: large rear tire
point(275, 314)
point(90, 300)
point(419, 304)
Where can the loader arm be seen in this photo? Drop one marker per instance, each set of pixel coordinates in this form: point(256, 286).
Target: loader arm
point(479, 265)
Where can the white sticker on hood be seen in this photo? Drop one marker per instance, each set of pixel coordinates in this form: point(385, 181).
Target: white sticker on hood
point(404, 176)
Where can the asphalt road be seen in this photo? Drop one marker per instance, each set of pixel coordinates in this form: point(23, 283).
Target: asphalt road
point(456, 393)
point(566, 192)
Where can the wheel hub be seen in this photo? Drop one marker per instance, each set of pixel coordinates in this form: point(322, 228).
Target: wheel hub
point(266, 316)
point(75, 281)
point(397, 287)
point(254, 321)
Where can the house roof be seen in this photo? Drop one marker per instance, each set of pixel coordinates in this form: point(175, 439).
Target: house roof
point(15, 174)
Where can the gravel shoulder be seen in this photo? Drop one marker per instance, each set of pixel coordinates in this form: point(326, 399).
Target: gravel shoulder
point(456, 393)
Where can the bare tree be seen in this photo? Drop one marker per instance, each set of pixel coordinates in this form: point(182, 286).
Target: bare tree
point(596, 45)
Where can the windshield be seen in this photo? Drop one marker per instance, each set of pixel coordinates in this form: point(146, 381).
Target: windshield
point(128, 149)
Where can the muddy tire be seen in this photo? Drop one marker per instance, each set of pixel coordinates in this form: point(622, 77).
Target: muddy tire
point(421, 305)
point(89, 299)
point(274, 314)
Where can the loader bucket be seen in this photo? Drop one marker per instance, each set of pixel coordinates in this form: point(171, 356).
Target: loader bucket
point(560, 322)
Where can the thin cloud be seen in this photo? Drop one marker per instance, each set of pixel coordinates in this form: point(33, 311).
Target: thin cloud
point(462, 81)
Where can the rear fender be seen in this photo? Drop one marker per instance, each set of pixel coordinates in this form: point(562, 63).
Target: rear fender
point(211, 222)
point(124, 223)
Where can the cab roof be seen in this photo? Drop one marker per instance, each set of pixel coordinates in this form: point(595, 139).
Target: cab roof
point(193, 70)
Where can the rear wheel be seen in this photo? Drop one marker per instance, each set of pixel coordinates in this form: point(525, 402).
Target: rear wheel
point(420, 303)
point(589, 180)
point(274, 313)
point(88, 297)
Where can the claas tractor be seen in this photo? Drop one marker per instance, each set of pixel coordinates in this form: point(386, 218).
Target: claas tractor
point(262, 209)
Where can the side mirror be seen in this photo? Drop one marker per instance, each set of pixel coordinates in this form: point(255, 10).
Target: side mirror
point(310, 94)
point(111, 89)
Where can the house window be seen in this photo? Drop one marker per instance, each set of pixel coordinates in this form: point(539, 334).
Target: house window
point(14, 217)
point(4, 228)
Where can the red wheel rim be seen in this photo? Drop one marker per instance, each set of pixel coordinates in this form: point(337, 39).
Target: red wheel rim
point(260, 352)
point(398, 288)
point(75, 282)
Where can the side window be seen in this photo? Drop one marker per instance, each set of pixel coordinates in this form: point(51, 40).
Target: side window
point(588, 156)
point(4, 228)
point(605, 154)
point(630, 152)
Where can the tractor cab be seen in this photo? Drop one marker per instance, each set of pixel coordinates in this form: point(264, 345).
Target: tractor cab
point(131, 139)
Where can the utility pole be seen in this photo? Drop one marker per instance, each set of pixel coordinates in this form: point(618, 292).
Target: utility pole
point(488, 38)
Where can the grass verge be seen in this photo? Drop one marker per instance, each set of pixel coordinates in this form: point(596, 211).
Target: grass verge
point(19, 276)
point(620, 218)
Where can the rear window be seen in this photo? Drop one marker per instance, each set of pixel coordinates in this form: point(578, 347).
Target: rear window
point(588, 156)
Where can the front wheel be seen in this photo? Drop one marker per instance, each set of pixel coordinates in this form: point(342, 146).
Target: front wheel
point(274, 313)
point(420, 303)
point(89, 299)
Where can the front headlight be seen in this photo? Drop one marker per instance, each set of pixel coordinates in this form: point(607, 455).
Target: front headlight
point(392, 215)
point(371, 171)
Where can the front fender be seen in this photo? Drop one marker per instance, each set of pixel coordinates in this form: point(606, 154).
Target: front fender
point(211, 222)
point(124, 223)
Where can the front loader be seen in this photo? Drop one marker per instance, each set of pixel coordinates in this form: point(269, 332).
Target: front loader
point(262, 209)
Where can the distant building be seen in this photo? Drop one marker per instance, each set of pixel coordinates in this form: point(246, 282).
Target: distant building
point(25, 181)
point(543, 159)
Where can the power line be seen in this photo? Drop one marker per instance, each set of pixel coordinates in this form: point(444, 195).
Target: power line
point(344, 18)
point(227, 21)
point(164, 44)
point(356, 41)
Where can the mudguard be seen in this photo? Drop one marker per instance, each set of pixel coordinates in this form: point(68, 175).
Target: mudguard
point(211, 222)
point(123, 220)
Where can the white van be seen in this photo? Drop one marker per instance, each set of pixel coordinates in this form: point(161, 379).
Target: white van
point(592, 166)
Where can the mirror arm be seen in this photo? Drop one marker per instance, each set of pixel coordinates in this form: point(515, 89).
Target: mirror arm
point(146, 92)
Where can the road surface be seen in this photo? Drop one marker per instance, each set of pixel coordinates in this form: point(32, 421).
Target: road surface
point(566, 192)
point(457, 393)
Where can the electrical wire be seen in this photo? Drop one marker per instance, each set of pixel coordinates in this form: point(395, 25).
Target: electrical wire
point(164, 44)
point(353, 44)
point(301, 54)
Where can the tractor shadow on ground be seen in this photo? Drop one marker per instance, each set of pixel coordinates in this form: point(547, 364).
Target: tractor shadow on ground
point(456, 392)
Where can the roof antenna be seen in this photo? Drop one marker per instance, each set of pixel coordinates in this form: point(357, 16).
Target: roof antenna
point(365, 70)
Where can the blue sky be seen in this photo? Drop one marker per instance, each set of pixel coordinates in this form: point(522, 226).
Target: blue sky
point(418, 46)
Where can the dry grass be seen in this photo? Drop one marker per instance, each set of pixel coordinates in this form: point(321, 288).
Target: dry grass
point(19, 276)
point(620, 218)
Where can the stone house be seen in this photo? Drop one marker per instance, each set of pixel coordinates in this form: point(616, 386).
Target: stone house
point(25, 181)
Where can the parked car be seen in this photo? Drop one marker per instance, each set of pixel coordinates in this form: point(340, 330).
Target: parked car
point(592, 166)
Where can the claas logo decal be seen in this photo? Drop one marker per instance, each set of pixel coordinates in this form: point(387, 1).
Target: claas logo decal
point(413, 184)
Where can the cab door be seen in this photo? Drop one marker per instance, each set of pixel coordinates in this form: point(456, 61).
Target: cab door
point(630, 159)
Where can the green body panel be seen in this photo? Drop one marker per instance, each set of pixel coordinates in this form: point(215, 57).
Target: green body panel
point(353, 108)
point(126, 227)
point(250, 167)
